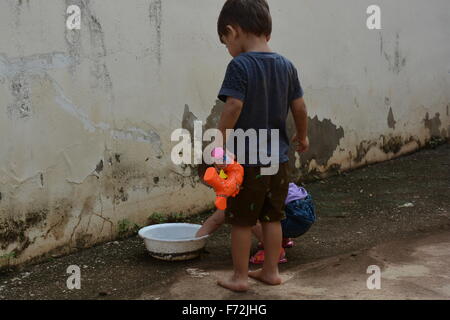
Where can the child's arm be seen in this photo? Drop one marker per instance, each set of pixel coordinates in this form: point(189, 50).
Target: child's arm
point(230, 115)
point(228, 118)
point(300, 114)
point(211, 224)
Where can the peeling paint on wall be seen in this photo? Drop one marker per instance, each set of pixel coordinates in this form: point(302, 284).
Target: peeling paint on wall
point(212, 121)
point(188, 120)
point(324, 138)
point(390, 120)
point(36, 64)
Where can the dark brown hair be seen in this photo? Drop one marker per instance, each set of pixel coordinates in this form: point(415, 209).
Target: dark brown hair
point(253, 16)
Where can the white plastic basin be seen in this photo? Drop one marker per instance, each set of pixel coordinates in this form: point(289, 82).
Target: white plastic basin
point(173, 241)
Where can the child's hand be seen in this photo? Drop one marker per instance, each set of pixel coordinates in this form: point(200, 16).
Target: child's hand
point(302, 144)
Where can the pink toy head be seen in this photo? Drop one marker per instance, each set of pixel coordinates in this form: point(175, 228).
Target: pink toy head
point(217, 153)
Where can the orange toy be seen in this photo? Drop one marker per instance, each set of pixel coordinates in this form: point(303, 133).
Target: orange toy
point(228, 187)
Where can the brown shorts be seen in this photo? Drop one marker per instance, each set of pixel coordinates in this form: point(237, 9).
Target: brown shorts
point(261, 198)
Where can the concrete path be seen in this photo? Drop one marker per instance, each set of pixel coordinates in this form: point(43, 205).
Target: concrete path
point(412, 269)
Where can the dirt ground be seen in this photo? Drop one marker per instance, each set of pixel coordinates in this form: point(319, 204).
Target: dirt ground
point(356, 211)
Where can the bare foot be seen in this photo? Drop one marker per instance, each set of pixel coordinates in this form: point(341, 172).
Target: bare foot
point(267, 279)
point(234, 285)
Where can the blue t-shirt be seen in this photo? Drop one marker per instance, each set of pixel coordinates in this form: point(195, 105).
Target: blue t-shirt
point(267, 83)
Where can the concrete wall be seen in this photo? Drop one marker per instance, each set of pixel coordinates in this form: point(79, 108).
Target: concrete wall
point(86, 115)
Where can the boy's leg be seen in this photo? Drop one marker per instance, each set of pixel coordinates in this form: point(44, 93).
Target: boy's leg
point(211, 224)
point(240, 249)
point(242, 213)
point(272, 245)
point(257, 232)
point(270, 217)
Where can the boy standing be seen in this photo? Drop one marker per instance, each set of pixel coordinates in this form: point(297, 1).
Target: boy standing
point(259, 88)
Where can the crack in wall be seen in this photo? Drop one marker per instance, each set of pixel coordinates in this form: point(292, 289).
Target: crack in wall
point(155, 16)
point(24, 68)
point(102, 217)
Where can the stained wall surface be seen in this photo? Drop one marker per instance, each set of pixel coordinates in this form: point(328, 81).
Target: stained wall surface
point(86, 115)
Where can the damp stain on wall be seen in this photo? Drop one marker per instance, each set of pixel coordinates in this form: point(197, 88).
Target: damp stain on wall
point(393, 143)
point(21, 108)
point(17, 8)
point(61, 219)
point(388, 144)
point(395, 59)
point(433, 124)
point(362, 149)
point(58, 219)
point(73, 37)
point(99, 70)
point(14, 228)
point(20, 2)
point(122, 177)
point(100, 76)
